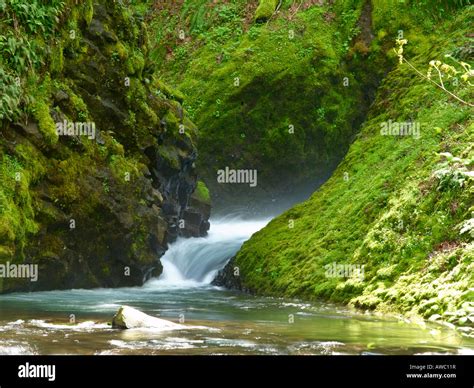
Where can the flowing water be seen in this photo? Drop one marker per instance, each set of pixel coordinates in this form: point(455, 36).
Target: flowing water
point(217, 321)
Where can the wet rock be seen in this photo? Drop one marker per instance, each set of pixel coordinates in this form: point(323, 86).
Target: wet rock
point(192, 223)
point(229, 277)
point(97, 30)
point(129, 318)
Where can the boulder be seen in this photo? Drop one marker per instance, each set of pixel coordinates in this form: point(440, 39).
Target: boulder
point(129, 318)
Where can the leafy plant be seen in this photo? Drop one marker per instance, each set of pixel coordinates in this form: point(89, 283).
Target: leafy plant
point(453, 172)
point(18, 52)
point(35, 16)
point(10, 96)
point(467, 227)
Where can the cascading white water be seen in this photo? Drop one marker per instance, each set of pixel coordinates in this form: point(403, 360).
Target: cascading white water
point(196, 261)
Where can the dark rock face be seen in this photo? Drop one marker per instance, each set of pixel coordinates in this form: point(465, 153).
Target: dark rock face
point(108, 208)
point(229, 277)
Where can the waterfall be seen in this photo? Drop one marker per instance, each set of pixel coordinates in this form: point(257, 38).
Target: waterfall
point(196, 261)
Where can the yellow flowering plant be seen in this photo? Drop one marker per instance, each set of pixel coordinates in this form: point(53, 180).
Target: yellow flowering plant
point(443, 70)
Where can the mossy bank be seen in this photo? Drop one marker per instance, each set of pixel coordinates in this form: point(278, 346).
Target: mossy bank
point(400, 204)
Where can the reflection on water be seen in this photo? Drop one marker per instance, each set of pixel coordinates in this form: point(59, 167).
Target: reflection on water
point(217, 322)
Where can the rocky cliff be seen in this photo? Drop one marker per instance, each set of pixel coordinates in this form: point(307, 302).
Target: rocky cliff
point(97, 156)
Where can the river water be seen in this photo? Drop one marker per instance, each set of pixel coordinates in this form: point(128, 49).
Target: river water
point(217, 321)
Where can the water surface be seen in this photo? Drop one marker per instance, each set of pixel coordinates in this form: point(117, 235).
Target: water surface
point(217, 321)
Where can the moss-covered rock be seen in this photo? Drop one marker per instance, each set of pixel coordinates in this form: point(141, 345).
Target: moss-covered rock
point(98, 208)
point(202, 193)
point(265, 10)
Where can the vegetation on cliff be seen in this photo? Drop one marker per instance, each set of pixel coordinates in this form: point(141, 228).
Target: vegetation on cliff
point(296, 90)
point(97, 207)
point(283, 97)
point(399, 204)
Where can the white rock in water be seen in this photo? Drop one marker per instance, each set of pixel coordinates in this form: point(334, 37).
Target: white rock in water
point(129, 318)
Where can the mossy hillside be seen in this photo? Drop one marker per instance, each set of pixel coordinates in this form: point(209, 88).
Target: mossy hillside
point(85, 209)
point(282, 97)
point(385, 207)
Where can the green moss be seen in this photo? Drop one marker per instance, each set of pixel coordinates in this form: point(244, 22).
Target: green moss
point(172, 122)
point(46, 124)
point(17, 173)
point(125, 170)
point(265, 10)
point(384, 207)
point(151, 116)
point(247, 100)
point(121, 50)
point(169, 92)
point(202, 192)
point(170, 157)
point(79, 105)
point(135, 63)
point(88, 11)
point(5, 253)
point(57, 61)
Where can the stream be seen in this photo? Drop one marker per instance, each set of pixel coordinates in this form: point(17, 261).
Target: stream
point(218, 321)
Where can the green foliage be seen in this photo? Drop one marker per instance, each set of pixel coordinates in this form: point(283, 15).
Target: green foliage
point(453, 173)
point(202, 192)
point(34, 16)
point(390, 205)
point(23, 27)
point(17, 52)
point(439, 8)
point(45, 122)
point(10, 96)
